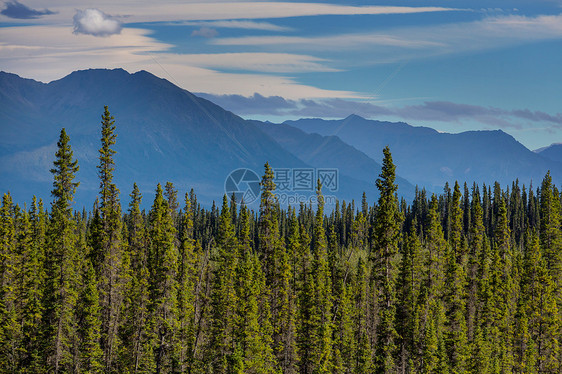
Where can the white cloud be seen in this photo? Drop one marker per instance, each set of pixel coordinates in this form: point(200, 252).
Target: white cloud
point(95, 22)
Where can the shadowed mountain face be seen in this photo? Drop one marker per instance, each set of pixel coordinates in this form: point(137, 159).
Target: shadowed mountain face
point(428, 158)
point(552, 152)
point(164, 133)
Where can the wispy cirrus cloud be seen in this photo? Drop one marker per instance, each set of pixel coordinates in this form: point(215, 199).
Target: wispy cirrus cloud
point(238, 24)
point(210, 11)
point(238, 13)
point(95, 22)
point(409, 43)
point(262, 62)
point(17, 10)
point(346, 41)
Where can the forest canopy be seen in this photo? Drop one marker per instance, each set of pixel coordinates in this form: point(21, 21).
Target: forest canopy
point(468, 281)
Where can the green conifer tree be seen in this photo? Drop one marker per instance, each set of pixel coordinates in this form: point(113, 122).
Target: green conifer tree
point(409, 294)
point(137, 350)
point(89, 323)
point(278, 273)
point(321, 318)
point(221, 345)
point(10, 329)
point(540, 312)
point(187, 274)
point(63, 277)
point(111, 264)
point(386, 236)
point(455, 286)
point(32, 287)
point(163, 266)
point(550, 236)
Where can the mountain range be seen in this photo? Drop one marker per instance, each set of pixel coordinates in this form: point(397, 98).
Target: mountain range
point(166, 133)
point(429, 158)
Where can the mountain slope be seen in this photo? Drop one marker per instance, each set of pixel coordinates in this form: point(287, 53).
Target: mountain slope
point(163, 133)
point(428, 158)
point(552, 152)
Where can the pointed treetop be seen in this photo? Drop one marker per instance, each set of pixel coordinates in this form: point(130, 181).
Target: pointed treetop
point(64, 169)
point(387, 177)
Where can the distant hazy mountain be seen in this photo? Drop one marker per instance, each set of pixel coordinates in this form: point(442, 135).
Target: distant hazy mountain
point(330, 151)
point(552, 152)
point(428, 158)
point(164, 134)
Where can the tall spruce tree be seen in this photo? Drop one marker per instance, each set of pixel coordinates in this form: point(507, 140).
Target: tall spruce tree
point(10, 329)
point(385, 249)
point(221, 345)
point(63, 276)
point(163, 266)
point(322, 319)
point(278, 273)
point(111, 285)
point(187, 274)
point(455, 290)
point(550, 235)
point(89, 323)
point(541, 324)
point(33, 285)
point(136, 353)
point(409, 292)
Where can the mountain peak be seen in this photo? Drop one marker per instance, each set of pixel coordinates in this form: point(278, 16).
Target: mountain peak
point(552, 152)
point(354, 117)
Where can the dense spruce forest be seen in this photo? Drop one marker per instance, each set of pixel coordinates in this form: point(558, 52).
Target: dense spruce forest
point(465, 282)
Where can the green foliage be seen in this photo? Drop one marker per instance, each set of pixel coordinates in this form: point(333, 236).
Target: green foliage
point(62, 266)
point(457, 283)
point(387, 232)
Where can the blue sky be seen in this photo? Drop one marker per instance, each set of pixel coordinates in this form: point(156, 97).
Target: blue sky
point(451, 65)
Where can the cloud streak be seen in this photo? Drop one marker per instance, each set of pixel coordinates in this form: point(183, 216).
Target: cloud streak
point(407, 43)
point(17, 10)
point(95, 22)
point(265, 10)
point(261, 62)
point(235, 24)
